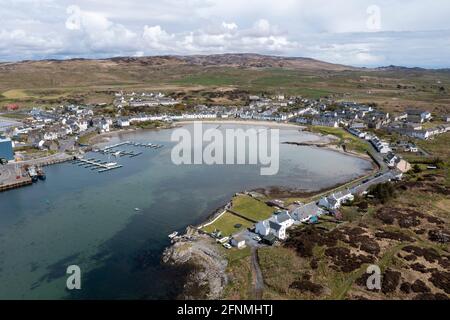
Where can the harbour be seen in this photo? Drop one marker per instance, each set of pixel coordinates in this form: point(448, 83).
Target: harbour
point(116, 225)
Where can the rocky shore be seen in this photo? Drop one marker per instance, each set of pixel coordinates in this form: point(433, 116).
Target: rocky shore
point(207, 278)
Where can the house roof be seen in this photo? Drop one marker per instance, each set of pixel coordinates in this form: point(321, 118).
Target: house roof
point(275, 225)
point(282, 217)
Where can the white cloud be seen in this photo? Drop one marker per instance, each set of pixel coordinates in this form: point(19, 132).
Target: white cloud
point(229, 26)
point(344, 31)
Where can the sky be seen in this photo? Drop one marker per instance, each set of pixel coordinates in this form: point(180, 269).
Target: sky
point(413, 33)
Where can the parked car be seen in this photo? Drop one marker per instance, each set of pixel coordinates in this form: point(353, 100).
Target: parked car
point(227, 246)
point(306, 219)
point(257, 238)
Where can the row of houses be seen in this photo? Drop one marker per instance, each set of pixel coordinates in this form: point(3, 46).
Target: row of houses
point(145, 99)
point(419, 133)
point(277, 225)
point(380, 145)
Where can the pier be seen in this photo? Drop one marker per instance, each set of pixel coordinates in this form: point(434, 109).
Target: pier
point(134, 144)
point(15, 183)
point(94, 164)
point(115, 151)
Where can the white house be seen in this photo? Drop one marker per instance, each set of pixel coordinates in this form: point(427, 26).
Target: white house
point(381, 146)
point(420, 116)
point(123, 122)
point(283, 218)
point(82, 125)
point(263, 228)
point(278, 230)
point(276, 225)
point(391, 160)
point(49, 136)
point(103, 126)
point(335, 200)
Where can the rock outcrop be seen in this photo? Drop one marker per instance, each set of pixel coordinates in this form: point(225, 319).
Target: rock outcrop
point(207, 278)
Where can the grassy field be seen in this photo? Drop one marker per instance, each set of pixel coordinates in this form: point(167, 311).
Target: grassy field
point(226, 224)
point(251, 208)
point(350, 141)
point(85, 138)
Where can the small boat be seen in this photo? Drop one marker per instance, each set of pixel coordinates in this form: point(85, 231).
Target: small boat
point(111, 164)
point(41, 174)
point(33, 174)
point(137, 209)
point(173, 235)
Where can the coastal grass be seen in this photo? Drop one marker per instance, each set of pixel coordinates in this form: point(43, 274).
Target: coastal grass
point(227, 224)
point(280, 268)
point(251, 208)
point(87, 137)
point(351, 142)
point(241, 286)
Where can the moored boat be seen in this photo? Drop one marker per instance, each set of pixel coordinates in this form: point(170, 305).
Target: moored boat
point(33, 174)
point(41, 174)
point(173, 235)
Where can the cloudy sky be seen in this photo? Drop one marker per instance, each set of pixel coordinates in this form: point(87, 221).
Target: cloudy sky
point(353, 32)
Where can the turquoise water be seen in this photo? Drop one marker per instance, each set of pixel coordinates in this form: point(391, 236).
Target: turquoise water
point(78, 216)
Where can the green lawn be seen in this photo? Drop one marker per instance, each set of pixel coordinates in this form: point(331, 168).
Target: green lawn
point(226, 224)
point(252, 208)
point(85, 138)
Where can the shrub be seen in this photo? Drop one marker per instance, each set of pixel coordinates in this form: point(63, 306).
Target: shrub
point(383, 192)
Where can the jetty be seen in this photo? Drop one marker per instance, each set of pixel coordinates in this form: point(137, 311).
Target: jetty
point(134, 144)
point(94, 164)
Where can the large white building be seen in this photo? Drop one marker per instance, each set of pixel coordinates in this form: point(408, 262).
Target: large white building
point(335, 200)
point(276, 225)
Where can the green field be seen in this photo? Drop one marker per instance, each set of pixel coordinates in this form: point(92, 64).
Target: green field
point(251, 208)
point(226, 224)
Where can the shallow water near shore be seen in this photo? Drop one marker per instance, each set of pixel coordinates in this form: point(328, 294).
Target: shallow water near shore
point(78, 216)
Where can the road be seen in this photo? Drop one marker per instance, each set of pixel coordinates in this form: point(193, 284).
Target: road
point(258, 280)
point(385, 177)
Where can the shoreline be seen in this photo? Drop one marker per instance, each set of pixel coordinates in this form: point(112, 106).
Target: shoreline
point(246, 122)
point(193, 237)
point(324, 141)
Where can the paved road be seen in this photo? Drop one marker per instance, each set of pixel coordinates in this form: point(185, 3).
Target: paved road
point(258, 279)
point(385, 177)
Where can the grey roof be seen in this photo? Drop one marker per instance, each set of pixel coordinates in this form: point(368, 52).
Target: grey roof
point(275, 226)
point(283, 217)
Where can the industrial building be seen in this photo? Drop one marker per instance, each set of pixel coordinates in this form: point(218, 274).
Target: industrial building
point(6, 149)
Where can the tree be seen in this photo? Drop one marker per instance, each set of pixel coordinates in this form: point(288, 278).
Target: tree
point(417, 169)
point(383, 191)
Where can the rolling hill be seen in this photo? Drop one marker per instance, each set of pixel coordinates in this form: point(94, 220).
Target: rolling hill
point(48, 82)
